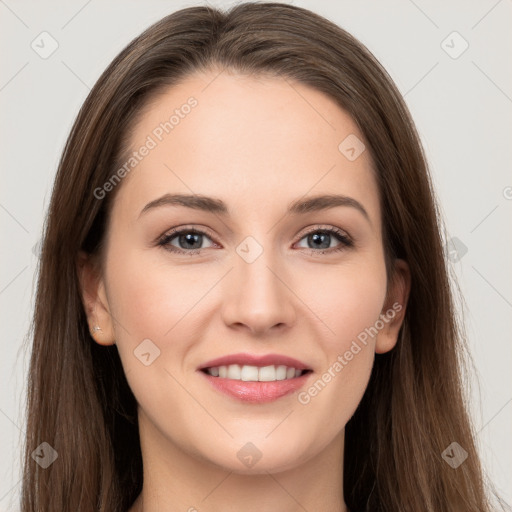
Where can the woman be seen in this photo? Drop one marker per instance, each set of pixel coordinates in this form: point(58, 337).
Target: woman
point(263, 370)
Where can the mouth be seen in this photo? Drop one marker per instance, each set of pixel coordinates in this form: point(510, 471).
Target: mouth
point(256, 379)
point(250, 373)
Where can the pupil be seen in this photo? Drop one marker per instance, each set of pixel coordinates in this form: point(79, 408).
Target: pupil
point(316, 237)
point(190, 238)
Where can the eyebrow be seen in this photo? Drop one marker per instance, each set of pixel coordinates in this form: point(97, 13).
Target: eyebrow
point(214, 205)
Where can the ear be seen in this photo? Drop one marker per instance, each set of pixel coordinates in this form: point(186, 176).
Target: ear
point(94, 299)
point(393, 312)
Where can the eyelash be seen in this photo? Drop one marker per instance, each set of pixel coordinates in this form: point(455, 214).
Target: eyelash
point(346, 242)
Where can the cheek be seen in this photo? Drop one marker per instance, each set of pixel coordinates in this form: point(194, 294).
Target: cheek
point(348, 305)
point(150, 296)
point(345, 299)
point(332, 396)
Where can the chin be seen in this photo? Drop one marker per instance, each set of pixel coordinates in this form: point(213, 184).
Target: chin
point(259, 458)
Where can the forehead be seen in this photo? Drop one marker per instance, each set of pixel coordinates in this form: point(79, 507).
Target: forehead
point(248, 140)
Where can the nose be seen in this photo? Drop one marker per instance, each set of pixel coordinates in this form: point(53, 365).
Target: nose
point(257, 296)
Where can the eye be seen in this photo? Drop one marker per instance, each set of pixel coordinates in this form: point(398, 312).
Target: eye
point(188, 240)
point(320, 240)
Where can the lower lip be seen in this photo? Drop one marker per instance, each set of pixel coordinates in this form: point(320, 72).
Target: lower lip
point(257, 392)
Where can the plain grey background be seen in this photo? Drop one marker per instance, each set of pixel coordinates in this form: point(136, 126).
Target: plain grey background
point(451, 61)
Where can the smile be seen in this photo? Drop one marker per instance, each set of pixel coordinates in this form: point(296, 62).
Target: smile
point(248, 373)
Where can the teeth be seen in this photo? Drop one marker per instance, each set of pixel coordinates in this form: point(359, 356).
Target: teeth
point(234, 372)
point(254, 373)
point(267, 374)
point(248, 373)
point(281, 372)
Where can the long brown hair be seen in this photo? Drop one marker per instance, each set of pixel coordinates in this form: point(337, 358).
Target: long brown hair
point(415, 406)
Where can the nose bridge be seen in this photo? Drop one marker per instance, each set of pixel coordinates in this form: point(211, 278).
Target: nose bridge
point(257, 295)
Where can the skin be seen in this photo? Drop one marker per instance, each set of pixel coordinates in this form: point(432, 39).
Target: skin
point(258, 144)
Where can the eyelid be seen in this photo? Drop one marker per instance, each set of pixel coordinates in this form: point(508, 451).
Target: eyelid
point(187, 228)
point(328, 228)
point(345, 239)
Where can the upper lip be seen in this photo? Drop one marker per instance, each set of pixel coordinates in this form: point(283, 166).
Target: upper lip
point(255, 360)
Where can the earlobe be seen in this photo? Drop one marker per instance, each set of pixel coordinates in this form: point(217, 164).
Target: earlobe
point(94, 300)
point(393, 312)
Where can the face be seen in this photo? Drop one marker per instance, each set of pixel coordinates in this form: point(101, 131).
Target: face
point(247, 274)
